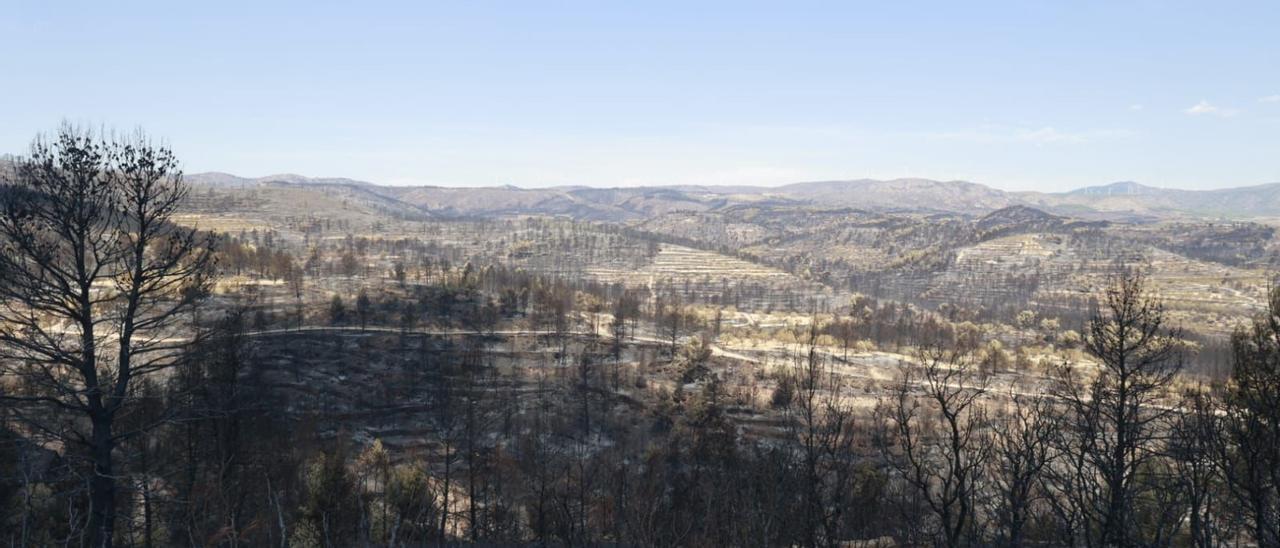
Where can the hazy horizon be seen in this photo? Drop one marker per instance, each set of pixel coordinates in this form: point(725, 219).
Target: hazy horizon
point(710, 185)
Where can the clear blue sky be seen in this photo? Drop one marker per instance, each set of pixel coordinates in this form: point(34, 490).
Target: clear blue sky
point(1029, 94)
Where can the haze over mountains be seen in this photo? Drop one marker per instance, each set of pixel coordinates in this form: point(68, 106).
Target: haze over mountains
point(1121, 200)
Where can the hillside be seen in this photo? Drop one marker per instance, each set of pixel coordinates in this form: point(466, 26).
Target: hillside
point(804, 237)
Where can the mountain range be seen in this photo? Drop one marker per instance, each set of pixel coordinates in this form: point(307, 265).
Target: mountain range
point(1121, 200)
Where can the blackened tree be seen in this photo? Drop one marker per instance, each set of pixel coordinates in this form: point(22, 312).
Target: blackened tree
point(97, 282)
point(1114, 416)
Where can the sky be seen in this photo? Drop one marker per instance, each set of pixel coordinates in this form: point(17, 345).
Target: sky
point(1023, 95)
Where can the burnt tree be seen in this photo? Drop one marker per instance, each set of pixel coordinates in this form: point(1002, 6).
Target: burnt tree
point(97, 282)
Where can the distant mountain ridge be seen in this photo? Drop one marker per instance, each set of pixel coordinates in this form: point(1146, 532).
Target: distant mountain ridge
point(1121, 188)
point(1119, 199)
point(217, 179)
point(1250, 202)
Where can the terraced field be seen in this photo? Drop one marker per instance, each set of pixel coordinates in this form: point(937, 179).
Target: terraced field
point(679, 263)
point(1211, 297)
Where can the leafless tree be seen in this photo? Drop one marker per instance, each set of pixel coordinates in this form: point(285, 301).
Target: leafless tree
point(1114, 416)
point(1021, 444)
point(97, 277)
point(673, 323)
point(938, 440)
point(1193, 440)
point(823, 431)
